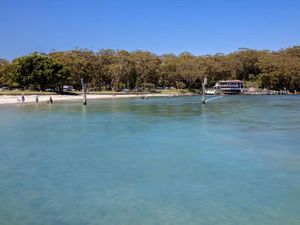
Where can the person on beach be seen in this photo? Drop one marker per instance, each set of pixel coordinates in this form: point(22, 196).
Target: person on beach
point(36, 99)
point(23, 98)
point(50, 100)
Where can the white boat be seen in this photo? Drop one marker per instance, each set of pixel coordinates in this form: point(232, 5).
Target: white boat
point(211, 91)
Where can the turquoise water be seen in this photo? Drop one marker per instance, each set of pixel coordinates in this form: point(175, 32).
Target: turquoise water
point(235, 160)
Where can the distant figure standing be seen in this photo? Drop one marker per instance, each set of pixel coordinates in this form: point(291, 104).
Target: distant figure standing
point(23, 98)
point(36, 99)
point(50, 100)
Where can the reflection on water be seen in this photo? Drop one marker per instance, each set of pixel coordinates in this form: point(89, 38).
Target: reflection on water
point(173, 161)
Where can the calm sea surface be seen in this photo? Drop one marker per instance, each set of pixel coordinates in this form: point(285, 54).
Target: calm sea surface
point(163, 161)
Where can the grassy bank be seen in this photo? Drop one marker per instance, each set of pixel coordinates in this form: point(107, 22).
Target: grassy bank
point(162, 91)
point(6, 92)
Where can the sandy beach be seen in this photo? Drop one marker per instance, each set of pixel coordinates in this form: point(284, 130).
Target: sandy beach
point(10, 99)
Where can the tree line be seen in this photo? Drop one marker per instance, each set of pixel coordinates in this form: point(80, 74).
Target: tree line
point(118, 69)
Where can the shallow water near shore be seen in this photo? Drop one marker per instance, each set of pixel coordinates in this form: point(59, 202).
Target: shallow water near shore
point(235, 160)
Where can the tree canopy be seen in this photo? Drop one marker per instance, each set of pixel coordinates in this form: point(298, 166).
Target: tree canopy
point(38, 71)
point(118, 69)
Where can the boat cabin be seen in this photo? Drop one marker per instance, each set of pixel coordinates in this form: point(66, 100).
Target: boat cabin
point(230, 87)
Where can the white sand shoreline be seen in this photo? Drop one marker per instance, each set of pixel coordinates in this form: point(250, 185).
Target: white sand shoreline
point(12, 99)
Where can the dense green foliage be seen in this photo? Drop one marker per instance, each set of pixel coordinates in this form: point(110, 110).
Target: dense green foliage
point(35, 71)
point(116, 70)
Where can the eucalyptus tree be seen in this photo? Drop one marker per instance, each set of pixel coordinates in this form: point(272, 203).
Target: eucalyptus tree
point(279, 71)
point(293, 52)
point(3, 71)
point(147, 68)
point(246, 63)
point(118, 69)
point(107, 59)
point(126, 70)
point(169, 74)
point(81, 63)
point(189, 69)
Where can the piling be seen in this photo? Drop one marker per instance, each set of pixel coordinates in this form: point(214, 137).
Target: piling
point(203, 90)
point(84, 90)
point(84, 94)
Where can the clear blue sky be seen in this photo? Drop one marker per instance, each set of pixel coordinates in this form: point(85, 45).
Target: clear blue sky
point(200, 27)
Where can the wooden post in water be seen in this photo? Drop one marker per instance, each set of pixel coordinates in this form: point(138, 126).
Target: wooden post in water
point(203, 90)
point(84, 94)
point(84, 90)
